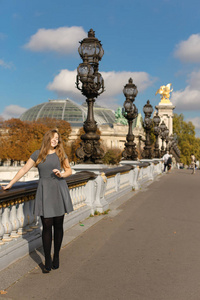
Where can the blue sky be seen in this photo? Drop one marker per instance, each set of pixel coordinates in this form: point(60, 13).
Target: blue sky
point(155, 42)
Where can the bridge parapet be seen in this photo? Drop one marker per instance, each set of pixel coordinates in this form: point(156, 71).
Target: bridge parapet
point(20, 230)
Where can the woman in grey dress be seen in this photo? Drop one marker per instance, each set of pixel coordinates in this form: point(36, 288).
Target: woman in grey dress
point(52, 199)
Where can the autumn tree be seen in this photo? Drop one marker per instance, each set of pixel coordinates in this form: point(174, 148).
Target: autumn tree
point(19, 139)
point(112, 156)
point(187, 142)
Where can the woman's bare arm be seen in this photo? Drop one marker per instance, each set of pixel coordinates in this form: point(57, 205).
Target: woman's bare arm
point(67, 170)
point(30, 163)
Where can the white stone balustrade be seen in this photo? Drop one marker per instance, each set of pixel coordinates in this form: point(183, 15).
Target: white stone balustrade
point(19, 226)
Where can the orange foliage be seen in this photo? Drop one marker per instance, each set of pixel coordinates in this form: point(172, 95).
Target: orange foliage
point(19, 139)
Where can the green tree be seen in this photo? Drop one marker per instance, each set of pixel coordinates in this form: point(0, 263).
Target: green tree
point(112, 156)
point(187, 142)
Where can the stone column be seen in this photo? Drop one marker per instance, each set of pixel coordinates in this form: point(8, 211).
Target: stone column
point(165, 111)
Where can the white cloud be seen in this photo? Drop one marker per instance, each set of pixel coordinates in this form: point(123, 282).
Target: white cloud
point(12, 111)
point(189, 50)
point(188, 99)
point(64, 84)
point(115, 81)
point(5, 65)
point(64, 40)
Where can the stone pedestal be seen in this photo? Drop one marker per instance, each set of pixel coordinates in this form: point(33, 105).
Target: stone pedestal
point(165, 111)
point(95, 189)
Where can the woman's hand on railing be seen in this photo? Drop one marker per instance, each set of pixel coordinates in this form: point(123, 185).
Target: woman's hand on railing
point(6, 187)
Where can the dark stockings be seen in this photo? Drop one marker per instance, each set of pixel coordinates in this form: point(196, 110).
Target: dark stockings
point(57, 224)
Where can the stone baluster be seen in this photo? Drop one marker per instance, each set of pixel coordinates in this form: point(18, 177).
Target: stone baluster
point(21, 218)
point(14, 220)
point(151, 171)
point(74, 197)
point(100, 202)
point(6, 223)
point(90, 191)
point(140, 174)
point(117, 182)
point(133, 179)
point(83, 195)
point(2, 230)
point(77, 197)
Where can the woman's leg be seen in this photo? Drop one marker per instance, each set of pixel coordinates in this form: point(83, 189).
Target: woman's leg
point(47, 224)
point(58, 237)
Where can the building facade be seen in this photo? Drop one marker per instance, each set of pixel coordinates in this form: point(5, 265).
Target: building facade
point(113, 133)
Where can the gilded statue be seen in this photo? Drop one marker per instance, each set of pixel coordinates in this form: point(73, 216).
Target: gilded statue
point(164, 92)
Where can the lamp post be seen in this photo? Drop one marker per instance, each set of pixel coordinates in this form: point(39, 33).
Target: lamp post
point(156, 121)
point(167, 139)
point(170, 139)
point(147, 109)
point(130, 112)
point(90, 82)
point(163, 127)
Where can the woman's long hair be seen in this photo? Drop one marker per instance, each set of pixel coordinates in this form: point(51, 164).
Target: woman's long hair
point(46, 145)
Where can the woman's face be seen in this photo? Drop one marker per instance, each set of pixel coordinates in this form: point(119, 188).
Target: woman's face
point(54, 140)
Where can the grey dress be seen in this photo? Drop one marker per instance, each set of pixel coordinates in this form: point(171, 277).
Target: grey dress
point(52, 196)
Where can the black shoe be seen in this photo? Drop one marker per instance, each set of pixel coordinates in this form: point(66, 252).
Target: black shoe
point(48, 265)
point(55, 263)
point(46, 269)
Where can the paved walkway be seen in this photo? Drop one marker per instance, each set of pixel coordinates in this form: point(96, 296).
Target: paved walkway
point(148, 248)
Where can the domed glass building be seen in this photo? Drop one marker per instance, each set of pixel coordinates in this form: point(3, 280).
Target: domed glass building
point(113, 133)
point(69, 111)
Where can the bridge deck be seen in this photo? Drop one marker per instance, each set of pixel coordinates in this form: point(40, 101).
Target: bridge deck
point(148, 248)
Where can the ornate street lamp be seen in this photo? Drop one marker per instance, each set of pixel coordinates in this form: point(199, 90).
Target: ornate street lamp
point(167, 139)
point(163, 127)
point(130, 112)
point(170, 139)
point(90, 82)
point(147, 109)
point(156, 129)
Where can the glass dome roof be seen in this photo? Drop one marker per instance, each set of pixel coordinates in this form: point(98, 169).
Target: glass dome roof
point(69, 111)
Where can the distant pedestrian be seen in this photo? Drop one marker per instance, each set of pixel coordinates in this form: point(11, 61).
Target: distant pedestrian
point(165, 159)
point(193, 163)
point(169, 163)
point(52, 199)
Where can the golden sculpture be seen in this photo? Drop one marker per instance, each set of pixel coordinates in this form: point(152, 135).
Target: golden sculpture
point(164, 92)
